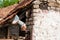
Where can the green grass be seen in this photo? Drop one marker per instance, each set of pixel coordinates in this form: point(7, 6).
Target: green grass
point(5, 3)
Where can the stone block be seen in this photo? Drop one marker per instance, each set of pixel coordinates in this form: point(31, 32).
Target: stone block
point(36, 2)
point(35, 6)
point(36, 10)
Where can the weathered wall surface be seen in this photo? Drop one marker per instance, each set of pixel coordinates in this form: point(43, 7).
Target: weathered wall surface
point(46, 24)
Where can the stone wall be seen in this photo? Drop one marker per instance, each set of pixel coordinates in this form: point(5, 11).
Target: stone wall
point(46, 23)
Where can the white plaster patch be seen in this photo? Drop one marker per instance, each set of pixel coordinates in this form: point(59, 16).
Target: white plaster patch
point(46, 26)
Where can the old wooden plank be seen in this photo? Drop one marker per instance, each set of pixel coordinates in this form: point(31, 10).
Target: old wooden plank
point(6, 39)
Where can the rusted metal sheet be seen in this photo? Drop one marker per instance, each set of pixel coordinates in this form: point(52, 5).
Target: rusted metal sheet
point(9, 12)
